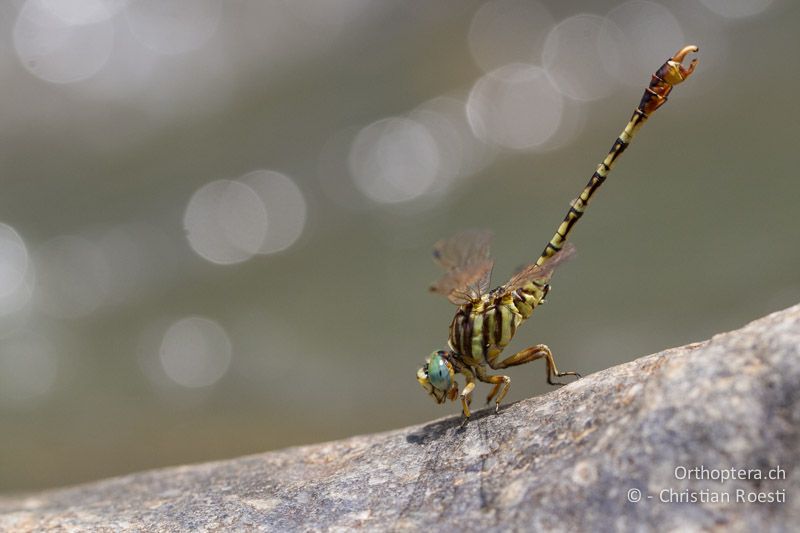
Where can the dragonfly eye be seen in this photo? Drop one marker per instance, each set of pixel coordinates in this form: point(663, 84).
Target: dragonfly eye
point(440, 371)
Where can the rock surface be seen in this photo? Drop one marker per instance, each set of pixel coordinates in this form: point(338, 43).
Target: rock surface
point(574, 459)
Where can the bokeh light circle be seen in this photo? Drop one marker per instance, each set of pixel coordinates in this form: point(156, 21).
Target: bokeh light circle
point(16, 280)
point(448, 144)
point(15, 310)
point(572, 58)
point(515, 107)
point(285, 206)
point(394, 160)
point(226, 222)
point(14, 261)
point(195, 352)
point(636, 37)
point(58, 51)
point(461, 154)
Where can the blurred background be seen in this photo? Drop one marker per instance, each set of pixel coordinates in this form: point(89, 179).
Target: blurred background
point(216, 217)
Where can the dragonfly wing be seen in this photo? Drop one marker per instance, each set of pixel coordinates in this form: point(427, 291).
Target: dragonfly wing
point(465, 284)
point(462, 249)
point(468, 267)
point(543, 273)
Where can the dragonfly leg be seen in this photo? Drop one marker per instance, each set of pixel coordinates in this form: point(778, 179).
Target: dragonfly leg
point(498, 381)
point(531, 354)
point(466, 394)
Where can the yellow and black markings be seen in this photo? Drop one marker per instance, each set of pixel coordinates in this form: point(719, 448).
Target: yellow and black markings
point(487, 320)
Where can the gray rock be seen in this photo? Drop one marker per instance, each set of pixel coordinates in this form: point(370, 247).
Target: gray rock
point(566, 461)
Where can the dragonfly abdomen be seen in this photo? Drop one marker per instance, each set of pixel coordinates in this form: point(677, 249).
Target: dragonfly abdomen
point(662, 82)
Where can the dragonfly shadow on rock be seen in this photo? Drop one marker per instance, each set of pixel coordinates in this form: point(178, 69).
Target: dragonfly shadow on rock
point(441, 428)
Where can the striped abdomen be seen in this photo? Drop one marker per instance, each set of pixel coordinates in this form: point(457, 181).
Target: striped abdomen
point(480, 331)
point(663, 80)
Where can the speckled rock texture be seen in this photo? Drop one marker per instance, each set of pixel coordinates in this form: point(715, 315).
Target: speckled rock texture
point(577, 459)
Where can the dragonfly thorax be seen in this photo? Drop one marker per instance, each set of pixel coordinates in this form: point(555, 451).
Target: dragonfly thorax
point(480, 331)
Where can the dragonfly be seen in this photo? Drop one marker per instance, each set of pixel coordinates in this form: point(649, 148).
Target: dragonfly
point(486, 320)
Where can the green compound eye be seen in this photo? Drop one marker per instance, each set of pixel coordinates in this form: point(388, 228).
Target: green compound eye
point(440, 372)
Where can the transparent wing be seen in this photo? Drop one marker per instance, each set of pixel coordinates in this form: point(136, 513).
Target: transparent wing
point(534, 272)
point(468, 267)
point(465, 284)
point(462, 249)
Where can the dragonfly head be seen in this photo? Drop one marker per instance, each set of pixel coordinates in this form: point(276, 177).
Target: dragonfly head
point(436, 376)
